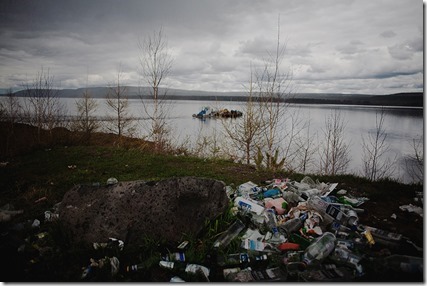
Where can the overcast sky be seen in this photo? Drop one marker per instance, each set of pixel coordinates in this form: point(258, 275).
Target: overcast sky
point(343, 46)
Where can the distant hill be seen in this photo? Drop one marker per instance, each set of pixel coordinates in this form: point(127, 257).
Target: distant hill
point(415, 99)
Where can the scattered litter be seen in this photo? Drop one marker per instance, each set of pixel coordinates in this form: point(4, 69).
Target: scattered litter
point(411, 208)
point(72, 167)
point(104, 263)
point(50, 216)
point(284, 230)
point(35, 224)
point(176, 279)
point(42, 199)
point(341, 192)
point(3, 164)
point(112, 181)
point(7, 212)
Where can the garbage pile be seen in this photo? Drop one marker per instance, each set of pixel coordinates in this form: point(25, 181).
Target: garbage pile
point(297, 231)
point(207, 112)
point(282, 230)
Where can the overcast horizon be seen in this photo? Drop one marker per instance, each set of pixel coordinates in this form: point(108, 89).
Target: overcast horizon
point(332, 46)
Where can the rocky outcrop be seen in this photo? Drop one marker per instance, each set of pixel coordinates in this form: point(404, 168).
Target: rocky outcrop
point(135, 210)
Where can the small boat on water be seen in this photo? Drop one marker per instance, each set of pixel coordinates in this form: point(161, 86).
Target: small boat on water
point(207, 112)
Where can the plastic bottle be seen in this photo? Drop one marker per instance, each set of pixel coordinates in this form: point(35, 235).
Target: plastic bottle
point(404, 263)
point(272, 223)
point(328, 211)
point(293, 225)
point(179, 267)
point(248, 204)
point(319, 249)
point(231, 233)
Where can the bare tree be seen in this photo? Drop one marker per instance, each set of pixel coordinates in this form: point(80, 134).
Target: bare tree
point(376, 163)
point(42, 105)
point(10, 113)
point(415, 161)
point(334, 151)
point(273, 87)
point(245, 133)
point(307, 148)
point(11, 108)
point(86, 120)
point(156, 65)
point(117, 101)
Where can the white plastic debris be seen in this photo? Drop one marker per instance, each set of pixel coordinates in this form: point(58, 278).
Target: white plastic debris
point(50, 216)
point(411, 208)
point(393, 216)
point(246, 188)
point(3, 164)
point(176, 279)
point(341, 192)
point(35, 224)
point(112, 181)
point(253, 234)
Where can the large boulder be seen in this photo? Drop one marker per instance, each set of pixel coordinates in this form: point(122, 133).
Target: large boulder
point(165, 209)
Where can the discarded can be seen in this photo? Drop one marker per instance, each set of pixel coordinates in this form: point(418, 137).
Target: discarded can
point(352, 218)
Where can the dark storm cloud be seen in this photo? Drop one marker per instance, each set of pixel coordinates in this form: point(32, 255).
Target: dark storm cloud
point(215, 43)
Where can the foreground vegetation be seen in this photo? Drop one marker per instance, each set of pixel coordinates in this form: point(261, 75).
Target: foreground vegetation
point(37, 177)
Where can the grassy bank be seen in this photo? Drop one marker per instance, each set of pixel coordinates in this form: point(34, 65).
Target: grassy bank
point(37, 178)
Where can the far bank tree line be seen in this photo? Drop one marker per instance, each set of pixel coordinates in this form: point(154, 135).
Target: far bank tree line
point(269, 135)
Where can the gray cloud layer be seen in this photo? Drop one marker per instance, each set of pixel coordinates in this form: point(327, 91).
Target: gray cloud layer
point(331, 46)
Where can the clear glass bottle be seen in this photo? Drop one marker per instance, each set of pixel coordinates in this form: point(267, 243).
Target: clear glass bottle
point(327, 210)
point(234, 259)
point(346, 257)
point(319, 249)
point(231, 233)
point(293, 225)
point(404, 263)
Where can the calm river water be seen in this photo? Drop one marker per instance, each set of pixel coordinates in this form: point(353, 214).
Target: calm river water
point(402, 125)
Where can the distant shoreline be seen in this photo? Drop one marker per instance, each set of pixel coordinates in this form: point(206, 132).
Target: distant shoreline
point(407, 99)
